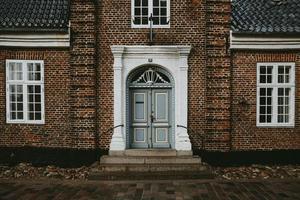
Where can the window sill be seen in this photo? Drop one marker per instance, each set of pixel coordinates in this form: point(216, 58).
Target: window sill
point(275, 125)
point(148, 26)
point(26, 122)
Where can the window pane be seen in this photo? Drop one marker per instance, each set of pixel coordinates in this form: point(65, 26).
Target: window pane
point(20, 97)
point(155, 2)
point(34, 71)
point(269, 118)
point(30, 89)
point(38, 116)
point(163, 20)
point(137, 20)
point(20, 106)
point(137, 2)
point(20, 115)
point(262, 70)
point(31, 116)
point(280, 118)
point(155, 11)
point(269, 69)
point(13, 115)
point(262, 100)
point(262, 118)
point(145, 20)
point(262, 110)
point(269, 91)
point(280, 69)
point(38, 107)
point(145, 11)
point(156, 20)
point(163, 3)
point(20, 89)
point(262, 91)
point(145, 2)
point(263, 79)
point(137, 11)
point(15, 71)
point(163, 11)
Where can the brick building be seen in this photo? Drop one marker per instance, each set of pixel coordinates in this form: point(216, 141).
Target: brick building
point(214, 75)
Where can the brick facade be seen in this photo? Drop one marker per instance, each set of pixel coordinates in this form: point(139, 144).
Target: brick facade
point(79, 80)
point(245, 134)
point(56, 132)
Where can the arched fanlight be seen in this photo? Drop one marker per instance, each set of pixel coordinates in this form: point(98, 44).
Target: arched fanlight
point(151, 77)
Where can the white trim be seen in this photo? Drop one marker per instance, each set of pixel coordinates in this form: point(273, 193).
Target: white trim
point(263, 42)
point(174, 59)
point(150, 10)
point(275, 85)
point(24, 84)
point(35, 40)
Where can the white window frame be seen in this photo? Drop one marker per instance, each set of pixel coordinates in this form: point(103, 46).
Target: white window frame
point(24, 82)
point(150, 10)
point(275, 85)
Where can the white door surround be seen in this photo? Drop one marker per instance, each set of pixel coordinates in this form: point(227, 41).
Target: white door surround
point(174, 59)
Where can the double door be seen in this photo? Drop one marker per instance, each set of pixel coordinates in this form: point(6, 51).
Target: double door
point(150, 118)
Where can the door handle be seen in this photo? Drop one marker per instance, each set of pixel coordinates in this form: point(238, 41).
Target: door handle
point(152, 118)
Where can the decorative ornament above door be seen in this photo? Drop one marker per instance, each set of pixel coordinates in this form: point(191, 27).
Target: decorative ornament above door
point(150, 77)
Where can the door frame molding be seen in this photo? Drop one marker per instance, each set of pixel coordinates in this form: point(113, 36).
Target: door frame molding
point(174, 59)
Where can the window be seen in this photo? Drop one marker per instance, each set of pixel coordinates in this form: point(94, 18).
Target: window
point(25, 91)
point(143, 9)
point(275, 94)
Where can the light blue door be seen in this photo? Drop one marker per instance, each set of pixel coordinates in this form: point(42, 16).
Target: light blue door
point(150, 118)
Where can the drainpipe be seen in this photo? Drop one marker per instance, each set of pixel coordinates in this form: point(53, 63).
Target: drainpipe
point(97, 78)
point(230, 52)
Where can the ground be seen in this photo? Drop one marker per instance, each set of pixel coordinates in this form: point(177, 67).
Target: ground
point(28, 182)
point(183, 189)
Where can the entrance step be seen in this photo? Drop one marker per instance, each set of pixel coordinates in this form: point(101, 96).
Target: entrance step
point(154, 164)
point(149, 168)
point(166, 175)
point(150, 152)
point(150, 160)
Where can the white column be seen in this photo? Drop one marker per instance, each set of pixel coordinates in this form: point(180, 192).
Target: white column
point(118, 138)
point(182, 142)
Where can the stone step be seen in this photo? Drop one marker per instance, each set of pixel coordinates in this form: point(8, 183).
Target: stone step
point(150, 160)
point(166, 175)
point(148, 153)
point(151, 152)
point(124, 168)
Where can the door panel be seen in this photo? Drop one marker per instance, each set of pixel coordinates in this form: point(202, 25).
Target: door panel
point(161, 124)
point(161, 106)
point(150, 120)
point(139, 127)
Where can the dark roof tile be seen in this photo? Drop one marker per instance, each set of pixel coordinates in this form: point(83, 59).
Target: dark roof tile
point(34, 15)
point(266, 16)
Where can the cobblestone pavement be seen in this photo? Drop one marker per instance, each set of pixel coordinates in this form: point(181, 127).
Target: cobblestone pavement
point(184, 189)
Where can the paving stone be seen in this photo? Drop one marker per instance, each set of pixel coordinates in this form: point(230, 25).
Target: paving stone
point(184, 189)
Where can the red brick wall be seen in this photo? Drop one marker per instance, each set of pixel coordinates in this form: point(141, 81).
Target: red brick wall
point(245, 134)
point(218, 96)
point(79, 80)
point(187, 28)
point(56, 131)
point(83, 99)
